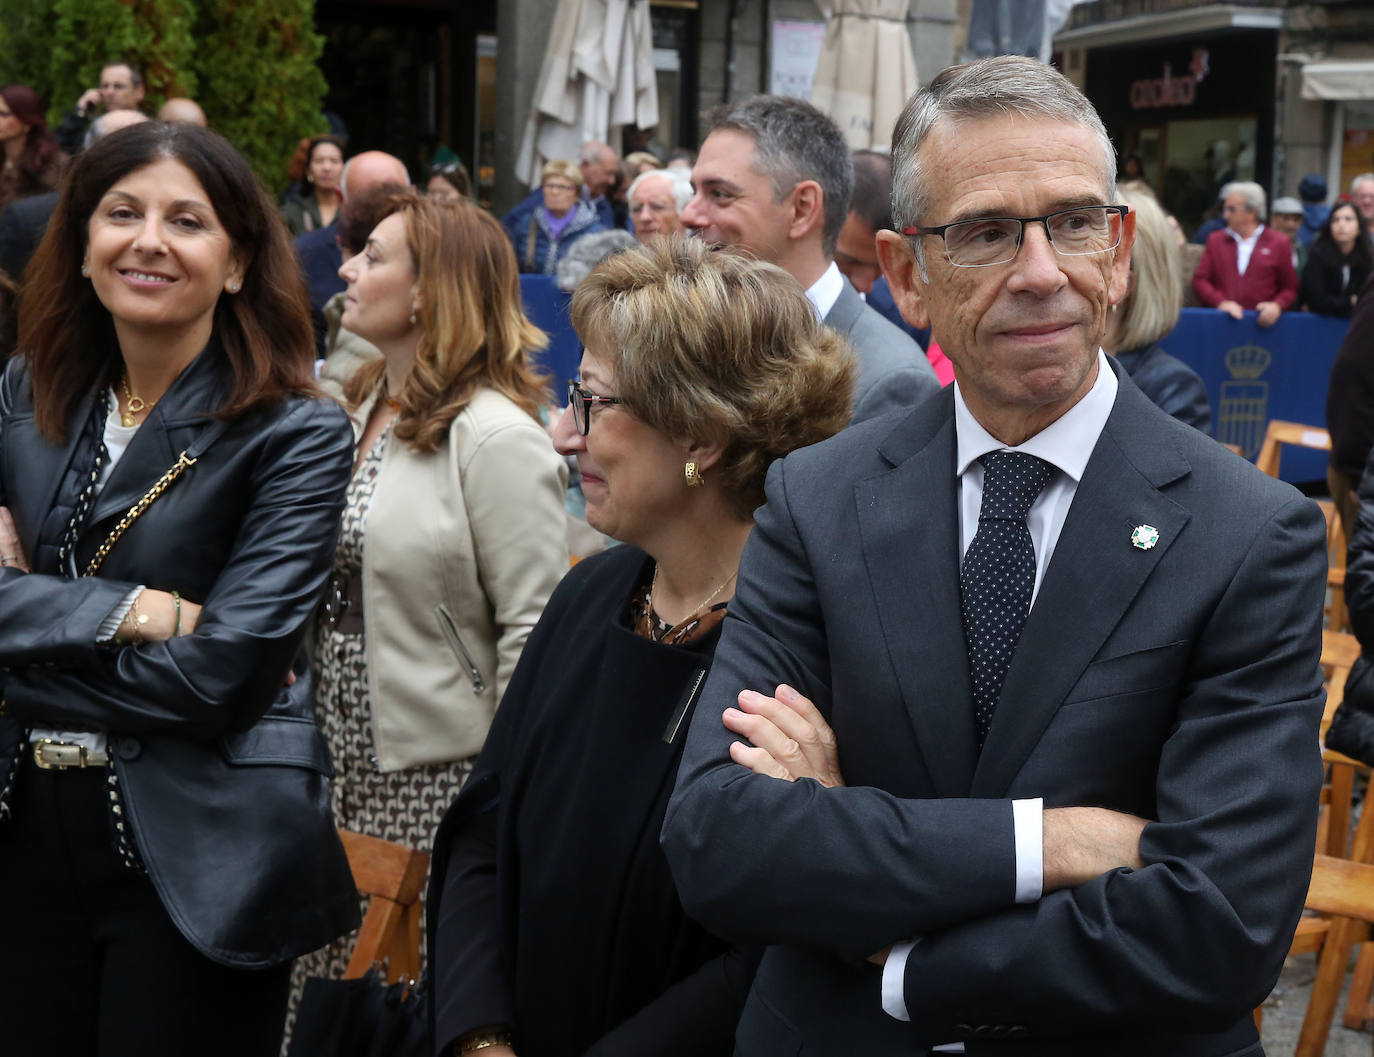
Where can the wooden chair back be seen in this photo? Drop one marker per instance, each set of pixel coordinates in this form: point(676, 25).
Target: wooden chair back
point(1344, 889)
point(1282, 434)
point(394, 876)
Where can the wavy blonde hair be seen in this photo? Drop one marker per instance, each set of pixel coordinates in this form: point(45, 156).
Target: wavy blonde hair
point(1151, 309)
point(719, 348)
point(473, 330)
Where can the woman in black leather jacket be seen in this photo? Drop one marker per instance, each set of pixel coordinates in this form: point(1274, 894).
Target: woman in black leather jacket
point(172, 487)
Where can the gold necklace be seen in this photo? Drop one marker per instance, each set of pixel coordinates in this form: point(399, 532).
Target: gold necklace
point(136, 405)
point(653, 587)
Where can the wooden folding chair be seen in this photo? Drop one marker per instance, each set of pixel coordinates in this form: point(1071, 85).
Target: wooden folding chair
point(1282, 434)
point(1344, 889)
point(394, 876)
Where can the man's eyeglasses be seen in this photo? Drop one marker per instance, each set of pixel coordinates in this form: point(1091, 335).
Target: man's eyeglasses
point(582, 402)
point(996, 240)
point(558, 187)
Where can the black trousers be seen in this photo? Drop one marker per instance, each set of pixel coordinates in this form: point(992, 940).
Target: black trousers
point(90, 962)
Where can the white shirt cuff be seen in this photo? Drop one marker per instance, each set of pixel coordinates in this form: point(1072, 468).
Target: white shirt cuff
point(894, 981)
point(110, 625)
point(1028, 818)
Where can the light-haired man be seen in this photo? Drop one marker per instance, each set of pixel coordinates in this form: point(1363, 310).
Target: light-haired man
point(1057, 782)
point(775, 177)
point(657, 199)
point(1246, 264)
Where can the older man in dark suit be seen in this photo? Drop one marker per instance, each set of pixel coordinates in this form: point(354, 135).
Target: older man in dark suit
point(775, 178)
point(1060, 777)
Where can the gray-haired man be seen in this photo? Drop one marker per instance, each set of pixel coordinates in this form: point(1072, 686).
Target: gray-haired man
point(1058, 780)
point(775, 177)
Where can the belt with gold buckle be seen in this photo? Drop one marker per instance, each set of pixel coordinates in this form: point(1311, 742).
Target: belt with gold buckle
point(53, 755)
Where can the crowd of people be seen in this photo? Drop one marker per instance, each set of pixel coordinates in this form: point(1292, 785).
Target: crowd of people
point(943, 680)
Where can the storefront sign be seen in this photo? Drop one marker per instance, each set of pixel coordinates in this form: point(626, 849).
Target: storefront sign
point(1168, 90)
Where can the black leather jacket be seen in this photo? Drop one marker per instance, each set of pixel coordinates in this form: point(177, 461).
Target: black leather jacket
point(223, 770)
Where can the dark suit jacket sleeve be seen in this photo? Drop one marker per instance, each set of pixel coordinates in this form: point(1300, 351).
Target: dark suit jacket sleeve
point(1197, 936)
point(1207, 278)
point(230, 670)
point(760, 860)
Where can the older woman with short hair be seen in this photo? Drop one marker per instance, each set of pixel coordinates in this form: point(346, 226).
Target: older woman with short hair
point(558, 929)
point(563, 218)
point(1149, 312)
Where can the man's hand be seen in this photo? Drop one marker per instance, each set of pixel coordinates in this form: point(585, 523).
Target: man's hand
point(789, 737)
point(1269, 313)
point(1082, 843)
point(1232, 309)
point(90, 98)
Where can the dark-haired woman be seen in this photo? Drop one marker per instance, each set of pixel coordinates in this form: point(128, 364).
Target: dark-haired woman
point(32, 160)
point(172, 488)
point(1338, 263)
point(318, 202)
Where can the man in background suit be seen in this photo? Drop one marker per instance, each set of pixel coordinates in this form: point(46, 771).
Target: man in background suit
point(775, 178)
point(1059, 782)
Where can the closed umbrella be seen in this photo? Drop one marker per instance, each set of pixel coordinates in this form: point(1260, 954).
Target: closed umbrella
point(598, 74)
point(866, 70)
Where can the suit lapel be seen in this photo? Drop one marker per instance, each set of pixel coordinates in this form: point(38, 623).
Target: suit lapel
point(178, 419)
point(845, 312)
point(1094, 575)
point(908, 520)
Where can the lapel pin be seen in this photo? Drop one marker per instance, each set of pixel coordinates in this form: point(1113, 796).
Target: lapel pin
point(1144, 537)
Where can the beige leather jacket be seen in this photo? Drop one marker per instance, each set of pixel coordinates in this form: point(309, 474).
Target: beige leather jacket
point(462, 549)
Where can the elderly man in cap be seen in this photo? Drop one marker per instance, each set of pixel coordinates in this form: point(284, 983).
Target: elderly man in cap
point(1286, 218)
point(1010, 740)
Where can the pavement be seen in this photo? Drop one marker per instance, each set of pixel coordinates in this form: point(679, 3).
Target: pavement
point(1283, 1013)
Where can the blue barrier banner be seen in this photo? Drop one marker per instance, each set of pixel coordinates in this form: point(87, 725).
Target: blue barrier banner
point(547, 307)
point(1254, 374)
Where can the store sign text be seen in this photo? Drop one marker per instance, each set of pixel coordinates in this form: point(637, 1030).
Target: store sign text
point(1168, 90)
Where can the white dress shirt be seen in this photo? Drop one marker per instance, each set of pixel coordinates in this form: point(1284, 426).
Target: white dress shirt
point(1067, 444)
point(825, 291)
point(1245, 247)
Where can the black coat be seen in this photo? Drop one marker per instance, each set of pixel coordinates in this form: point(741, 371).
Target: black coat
point(223, 771)
point(551, 908)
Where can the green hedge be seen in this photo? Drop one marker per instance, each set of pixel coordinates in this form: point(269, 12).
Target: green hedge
point(251, 64)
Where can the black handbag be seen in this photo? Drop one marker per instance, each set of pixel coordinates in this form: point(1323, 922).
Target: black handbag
point(1352, 727)
point(365, 1017)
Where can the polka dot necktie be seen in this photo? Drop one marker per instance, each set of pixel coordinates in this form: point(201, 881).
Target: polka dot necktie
point(998, 574)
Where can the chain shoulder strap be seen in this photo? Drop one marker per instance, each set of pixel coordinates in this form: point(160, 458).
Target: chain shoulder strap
point(136, 511)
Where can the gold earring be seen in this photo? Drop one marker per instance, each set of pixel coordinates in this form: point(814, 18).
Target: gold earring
point(693, 475)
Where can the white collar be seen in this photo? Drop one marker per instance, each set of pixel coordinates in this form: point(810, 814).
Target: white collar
point(1066, 443)
point(826, 290)
point(1253, 235)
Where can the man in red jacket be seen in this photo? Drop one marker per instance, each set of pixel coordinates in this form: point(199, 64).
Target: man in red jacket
point(1246, 265)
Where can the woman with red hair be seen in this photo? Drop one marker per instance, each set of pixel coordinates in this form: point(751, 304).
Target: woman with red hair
point(33, 161)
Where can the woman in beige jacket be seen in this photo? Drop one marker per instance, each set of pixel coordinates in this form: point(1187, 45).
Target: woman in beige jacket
point(454, 532)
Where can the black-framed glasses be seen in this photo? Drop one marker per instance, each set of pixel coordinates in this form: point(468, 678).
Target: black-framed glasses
point(996, 240)
point(582, 402)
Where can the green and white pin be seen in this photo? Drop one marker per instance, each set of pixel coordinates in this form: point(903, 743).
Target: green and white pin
point(1144, 537)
